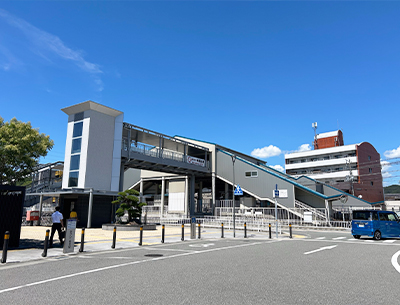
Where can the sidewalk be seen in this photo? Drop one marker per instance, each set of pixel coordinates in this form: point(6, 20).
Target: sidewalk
point(32, 240)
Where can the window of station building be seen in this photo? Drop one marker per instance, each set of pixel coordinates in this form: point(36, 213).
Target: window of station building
point(370, 170)
point(369, 158)
point(73, 179)
point(372, 182)
point(77, 130)
point(74, 162)
point(252, 174)
point(76, 145)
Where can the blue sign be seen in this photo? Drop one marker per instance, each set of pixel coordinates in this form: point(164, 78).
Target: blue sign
point(276, 193)
point(238, 191)
point(193, 219)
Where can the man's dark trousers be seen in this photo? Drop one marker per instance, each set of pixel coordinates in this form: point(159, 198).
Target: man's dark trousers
point(54, 227)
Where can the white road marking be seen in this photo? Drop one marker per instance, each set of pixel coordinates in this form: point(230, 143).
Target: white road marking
point(320, 249)
point(341, 237)
point(128, 264)
point(323, 237)
point(201, 245)
point(389, 241)
point(395, 262)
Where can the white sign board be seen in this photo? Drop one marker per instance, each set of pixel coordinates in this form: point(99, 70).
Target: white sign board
point(176, 202)
point(69, 240)
point(307, 216)
point(279, 194)
point(195, 161)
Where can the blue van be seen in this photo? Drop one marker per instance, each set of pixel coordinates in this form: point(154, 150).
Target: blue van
point(376, 224)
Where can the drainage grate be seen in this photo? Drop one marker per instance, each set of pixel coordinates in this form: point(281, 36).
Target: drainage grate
point(154, 255)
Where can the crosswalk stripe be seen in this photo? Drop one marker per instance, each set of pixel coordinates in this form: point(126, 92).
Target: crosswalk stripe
point(341, 237)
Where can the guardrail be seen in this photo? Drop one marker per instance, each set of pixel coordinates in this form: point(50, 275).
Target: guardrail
point(215, 222)
point(156, 152)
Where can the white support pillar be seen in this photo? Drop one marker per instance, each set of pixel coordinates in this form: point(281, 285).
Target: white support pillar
point(213, 194)
point(186, 196)
point(328, 210)
point(141, 191)
point(89, 221)
point(162, 197)
point(192, 189)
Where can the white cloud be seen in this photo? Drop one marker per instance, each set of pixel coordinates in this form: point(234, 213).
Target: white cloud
point(266, 152)
point(304, 147)
point(45, 43)
point(10, 60)
point(394, 153)
point(278, 168)
point(385, 169)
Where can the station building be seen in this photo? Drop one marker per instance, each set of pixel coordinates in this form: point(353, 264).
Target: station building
point(175, 174)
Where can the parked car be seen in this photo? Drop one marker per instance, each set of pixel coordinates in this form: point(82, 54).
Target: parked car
point(376, 224)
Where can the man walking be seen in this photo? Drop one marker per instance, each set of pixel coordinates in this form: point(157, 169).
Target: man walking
point(57, 219)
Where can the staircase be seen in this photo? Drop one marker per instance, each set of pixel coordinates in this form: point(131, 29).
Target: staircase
point(319, 215)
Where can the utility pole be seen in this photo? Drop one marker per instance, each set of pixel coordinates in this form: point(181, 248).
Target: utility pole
point(314, 126)
point(233, 194)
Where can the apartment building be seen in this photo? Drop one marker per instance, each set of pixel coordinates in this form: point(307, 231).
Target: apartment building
point(354, 169)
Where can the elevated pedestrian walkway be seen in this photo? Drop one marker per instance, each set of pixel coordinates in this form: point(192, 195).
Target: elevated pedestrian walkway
point(149, 150)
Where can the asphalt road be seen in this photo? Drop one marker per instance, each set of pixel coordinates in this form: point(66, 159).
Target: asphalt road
point(323, 268)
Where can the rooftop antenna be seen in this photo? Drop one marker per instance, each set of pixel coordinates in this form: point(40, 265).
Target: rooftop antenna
point(314, 126)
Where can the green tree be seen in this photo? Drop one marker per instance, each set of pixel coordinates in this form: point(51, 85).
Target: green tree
point(21, 146)
point(129, 202)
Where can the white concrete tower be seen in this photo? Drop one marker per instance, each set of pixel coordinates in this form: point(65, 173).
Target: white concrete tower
point(93, 147)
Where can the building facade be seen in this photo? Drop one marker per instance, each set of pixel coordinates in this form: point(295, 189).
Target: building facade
point(354, 169)
point(179, 175)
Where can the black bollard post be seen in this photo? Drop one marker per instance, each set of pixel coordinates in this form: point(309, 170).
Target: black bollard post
point(162, 234)
point(141, 236)
point(222, 230)
point(114, 238)
point(82, 240)
point(245, 230)
point(46, 243)
point(290, 230)
point(183, 232)
point(199, 231)
point(270, 233)
point(5, 247)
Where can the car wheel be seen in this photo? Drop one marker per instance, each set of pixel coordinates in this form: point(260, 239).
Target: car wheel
point(357, 236)
point(377, 235)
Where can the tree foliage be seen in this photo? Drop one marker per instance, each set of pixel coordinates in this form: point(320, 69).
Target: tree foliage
point(129, 202)
point(21, 146)
point(392, 189)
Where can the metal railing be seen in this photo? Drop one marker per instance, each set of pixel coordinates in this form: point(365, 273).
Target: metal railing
point(319, 213)
point(156, 152)
point(215, 222)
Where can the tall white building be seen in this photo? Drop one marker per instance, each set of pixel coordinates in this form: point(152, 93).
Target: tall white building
point(353, 168)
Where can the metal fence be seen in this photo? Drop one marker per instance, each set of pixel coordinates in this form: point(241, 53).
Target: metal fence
point(255, 218)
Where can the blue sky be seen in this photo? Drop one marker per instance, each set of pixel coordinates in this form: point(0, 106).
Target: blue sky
point(249, 75)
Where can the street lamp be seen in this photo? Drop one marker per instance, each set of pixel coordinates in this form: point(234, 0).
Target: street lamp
point(233, 194)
